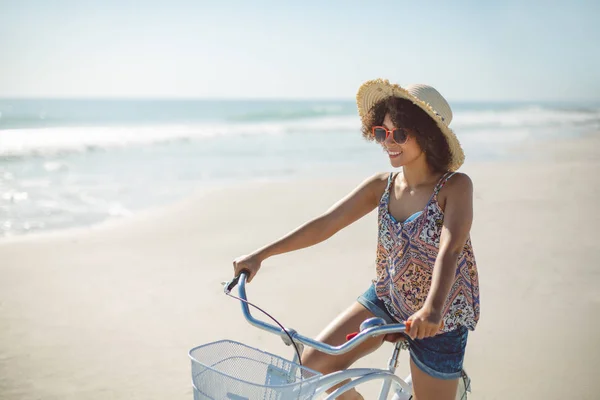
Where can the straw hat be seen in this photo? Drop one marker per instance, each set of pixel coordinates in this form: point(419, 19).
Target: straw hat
point(425, 97)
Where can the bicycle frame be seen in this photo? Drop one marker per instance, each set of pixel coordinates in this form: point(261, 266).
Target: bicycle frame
point(358, 376)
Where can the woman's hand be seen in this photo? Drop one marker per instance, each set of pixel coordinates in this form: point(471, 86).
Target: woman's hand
point(250, 263)
point(424, 323)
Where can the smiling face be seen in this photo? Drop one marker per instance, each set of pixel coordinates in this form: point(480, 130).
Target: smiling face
point(425, 142)
point(400, 154)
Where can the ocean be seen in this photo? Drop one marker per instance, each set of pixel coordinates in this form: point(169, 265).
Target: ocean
point(72, 163)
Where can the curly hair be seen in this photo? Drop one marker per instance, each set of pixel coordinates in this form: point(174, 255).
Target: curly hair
point(405, 114)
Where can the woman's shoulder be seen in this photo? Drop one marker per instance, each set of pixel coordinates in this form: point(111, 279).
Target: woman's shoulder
point(377, 183)
point(457, 184)
point(459, 181)
point(381, 177)
point(378, 179)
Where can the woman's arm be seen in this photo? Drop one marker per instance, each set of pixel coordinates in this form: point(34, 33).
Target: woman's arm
point(458, 217)
point(361, 201)
point(354, 206)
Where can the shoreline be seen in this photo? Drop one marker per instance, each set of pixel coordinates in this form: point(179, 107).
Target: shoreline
point(354, 178)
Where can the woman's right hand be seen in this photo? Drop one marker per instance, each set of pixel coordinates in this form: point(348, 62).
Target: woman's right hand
point(249, 263)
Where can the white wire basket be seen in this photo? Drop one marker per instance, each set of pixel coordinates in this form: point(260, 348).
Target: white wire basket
point(234, 371)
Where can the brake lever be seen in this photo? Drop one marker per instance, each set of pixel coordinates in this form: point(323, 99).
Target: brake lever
point(228, 286)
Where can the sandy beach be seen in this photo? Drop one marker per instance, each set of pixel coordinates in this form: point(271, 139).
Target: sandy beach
point(110, 312)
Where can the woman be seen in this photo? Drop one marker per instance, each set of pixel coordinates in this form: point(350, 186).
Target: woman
point(425, 269)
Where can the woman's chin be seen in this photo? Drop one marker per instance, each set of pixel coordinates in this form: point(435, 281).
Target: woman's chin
point(396, 163)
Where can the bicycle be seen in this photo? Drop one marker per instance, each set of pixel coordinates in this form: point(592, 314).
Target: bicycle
point(227, 369)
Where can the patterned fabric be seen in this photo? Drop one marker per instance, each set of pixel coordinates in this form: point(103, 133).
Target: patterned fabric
point(406, 254)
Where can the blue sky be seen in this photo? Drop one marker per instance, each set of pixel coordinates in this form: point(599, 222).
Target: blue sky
point(469, 50)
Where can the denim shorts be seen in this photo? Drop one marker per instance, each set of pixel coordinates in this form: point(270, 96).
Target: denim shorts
point(440, 356)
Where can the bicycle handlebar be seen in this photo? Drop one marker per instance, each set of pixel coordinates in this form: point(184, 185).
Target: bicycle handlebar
point(320, 346)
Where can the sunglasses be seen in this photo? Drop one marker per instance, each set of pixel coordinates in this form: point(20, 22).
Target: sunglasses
point(381, 133)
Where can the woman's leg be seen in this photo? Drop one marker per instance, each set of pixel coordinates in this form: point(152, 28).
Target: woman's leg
point(426, 387)
point(436, 364)
point(335, 334)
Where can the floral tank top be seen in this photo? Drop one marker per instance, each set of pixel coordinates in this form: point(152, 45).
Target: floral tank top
point(406, 254)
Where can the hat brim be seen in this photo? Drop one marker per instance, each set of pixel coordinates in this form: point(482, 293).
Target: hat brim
point(376, 90)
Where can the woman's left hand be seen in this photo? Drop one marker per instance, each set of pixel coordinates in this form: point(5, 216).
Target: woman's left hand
point(424, 323)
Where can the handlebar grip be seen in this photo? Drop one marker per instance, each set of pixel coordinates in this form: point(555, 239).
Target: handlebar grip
point(245, 272)
point(233, 283)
